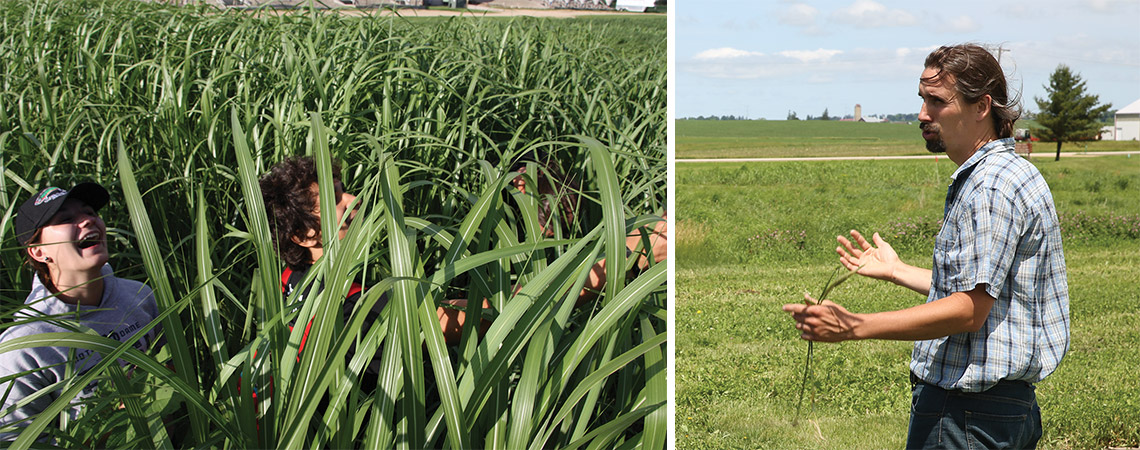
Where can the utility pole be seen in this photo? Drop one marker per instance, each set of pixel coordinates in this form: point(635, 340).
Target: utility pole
point(1001, 49)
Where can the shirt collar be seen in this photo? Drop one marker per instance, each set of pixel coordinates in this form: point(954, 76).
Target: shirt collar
point(991, 147)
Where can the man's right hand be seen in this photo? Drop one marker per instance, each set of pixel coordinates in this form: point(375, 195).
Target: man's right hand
point(879, 261)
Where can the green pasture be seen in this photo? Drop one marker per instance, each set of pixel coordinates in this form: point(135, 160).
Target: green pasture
point(751, 237)
point(178, 111)
point(699, 139)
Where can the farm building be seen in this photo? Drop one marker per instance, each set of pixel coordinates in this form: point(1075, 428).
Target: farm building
point(1127, 127)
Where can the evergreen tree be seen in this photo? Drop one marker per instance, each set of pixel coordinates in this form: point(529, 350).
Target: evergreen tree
point(1068, 113)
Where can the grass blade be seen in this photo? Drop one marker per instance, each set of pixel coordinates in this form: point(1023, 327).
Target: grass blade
point(831, 284)
point(181, 356)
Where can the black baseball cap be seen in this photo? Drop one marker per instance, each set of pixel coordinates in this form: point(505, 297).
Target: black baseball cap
point(39, 209)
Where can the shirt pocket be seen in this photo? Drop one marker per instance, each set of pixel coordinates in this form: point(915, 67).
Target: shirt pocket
point(946, 265)
point(945, 242)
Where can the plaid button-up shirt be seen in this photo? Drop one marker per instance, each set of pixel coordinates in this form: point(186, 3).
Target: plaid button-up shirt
point(1000, 230)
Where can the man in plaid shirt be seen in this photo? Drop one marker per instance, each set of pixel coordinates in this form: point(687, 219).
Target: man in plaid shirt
point(996, 319)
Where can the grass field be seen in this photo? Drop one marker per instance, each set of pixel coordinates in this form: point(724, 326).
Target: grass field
point(751, 237)
point(812, 138)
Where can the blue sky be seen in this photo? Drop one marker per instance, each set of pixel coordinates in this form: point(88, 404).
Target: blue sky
point(760, 59)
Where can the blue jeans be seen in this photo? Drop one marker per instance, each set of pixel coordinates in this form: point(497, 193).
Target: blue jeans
point(1005, 416)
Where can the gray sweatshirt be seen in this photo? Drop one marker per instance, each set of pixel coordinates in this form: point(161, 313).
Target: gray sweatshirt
point(127, 306)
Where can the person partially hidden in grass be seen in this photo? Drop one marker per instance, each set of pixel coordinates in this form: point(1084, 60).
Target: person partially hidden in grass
point(73, 290)
point(996, 319)
point(291, 199)
point(558, 204)
point(290, 194)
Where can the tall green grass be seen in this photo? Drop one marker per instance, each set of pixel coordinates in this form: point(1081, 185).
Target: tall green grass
point(179, 111)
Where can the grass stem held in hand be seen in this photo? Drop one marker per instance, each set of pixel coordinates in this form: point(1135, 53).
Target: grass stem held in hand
point(831, 284)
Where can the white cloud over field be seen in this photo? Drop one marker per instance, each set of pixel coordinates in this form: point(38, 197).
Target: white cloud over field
point(872, 14)
point(808, 65)
point(810, 56)
point(725, 53)
point(799, 15)
point(960, 24)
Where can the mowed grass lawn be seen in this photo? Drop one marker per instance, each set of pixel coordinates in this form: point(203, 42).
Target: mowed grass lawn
point(815, 138)
point(751, 237)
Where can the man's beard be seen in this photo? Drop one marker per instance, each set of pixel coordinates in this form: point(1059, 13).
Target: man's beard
point(936, 145)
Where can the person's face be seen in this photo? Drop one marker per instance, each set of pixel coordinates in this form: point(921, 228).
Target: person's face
point(942, 116)
point(73, 240)
point(343, 200)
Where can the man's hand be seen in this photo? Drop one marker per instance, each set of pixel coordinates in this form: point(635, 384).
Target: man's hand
point(960, 312)
point(826, 322)
point(879, 261)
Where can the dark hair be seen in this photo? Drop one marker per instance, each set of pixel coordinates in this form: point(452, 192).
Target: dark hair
point(39, 267)
point(554, 185)
point(289, 205)
point(976, 74)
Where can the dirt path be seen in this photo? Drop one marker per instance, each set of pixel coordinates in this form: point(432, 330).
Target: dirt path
point(494, 8)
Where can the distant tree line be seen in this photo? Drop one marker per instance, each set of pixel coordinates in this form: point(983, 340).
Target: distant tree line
point(715, 118)
point(1106, 117)
point(912, 117)
point(825, 116)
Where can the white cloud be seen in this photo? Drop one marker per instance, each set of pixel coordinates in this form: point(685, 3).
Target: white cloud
point(1098, 5)
point(820, 78)
point(811, 66)
point(808, 56)
point(1078, 50)
point(1025, 10)
point(1110, 6)
point(799, 15)
point(961, 24)
point(725, 53)
point(871, 14)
